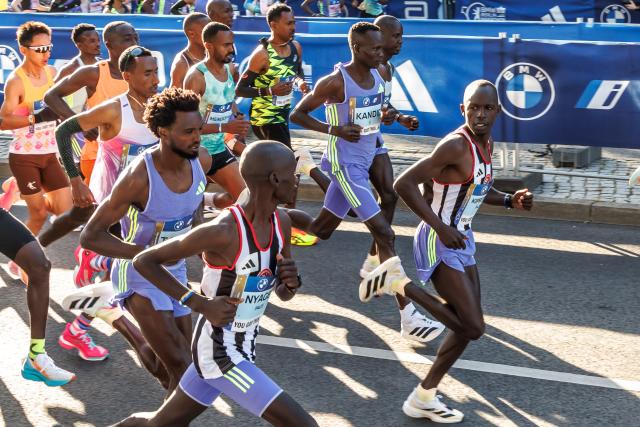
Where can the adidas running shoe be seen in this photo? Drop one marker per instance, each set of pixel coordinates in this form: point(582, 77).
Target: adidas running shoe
point(87, 349)
point(387, 278)
point(370, 263)
point(44, 370)
point(302, 238)
point(84, 274)
point(433, 410)
point(419, 327)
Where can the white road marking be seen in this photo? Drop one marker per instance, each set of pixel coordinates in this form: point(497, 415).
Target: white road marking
point(471, 365)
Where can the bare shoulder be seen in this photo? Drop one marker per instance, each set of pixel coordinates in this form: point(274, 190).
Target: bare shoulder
point(452, 145)
point(205, 159)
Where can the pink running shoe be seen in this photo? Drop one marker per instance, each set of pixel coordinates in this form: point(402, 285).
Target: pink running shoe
point(84, 274)
point(11, 193)
point(87, 349)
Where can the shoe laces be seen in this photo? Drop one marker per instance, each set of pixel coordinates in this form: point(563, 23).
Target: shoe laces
point(88, 340)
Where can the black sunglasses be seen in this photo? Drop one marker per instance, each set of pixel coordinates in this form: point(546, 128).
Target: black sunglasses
point(133, 53)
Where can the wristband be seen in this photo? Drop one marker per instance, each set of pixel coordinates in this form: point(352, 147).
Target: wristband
point(508, 202)
point(186, 296)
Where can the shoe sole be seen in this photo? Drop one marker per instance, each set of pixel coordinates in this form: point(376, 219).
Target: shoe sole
point(36, 376)
point(412, 412)
point(430, 337)
point(68, 346)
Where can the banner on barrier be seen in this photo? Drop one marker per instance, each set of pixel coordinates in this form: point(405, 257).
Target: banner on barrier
point(607, 11)
point(552, 93)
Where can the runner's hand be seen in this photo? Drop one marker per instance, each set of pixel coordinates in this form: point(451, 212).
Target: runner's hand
point(522, 199)
point(236, 127)
point(451, 237)
point(349, 133)
point(304, 87)
point(287, 272)
point(282, 88)
point(410, 122)
point(91, 135)
point(80, 193)
point(220, 311)
point(389, 115)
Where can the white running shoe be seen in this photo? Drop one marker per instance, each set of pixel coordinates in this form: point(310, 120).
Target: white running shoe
point(43, 369)
point(434, 410)
point(385, 279)
point(371, 262)
point(634, 179)
point(305, 161)
point(420, 328)
point(89, 299)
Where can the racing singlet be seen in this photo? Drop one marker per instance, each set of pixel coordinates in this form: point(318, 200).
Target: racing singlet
point(457, 204)
point(216, 106)
point(361, 107)
point(330, 8)
point(252, 277)
point(166, 215)
point(116, 153)
point(275, 109)
point(39, 138)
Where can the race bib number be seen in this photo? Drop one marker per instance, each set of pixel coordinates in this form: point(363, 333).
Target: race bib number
point(131, 151)
point(471, 203)
point(218, 114)
point(167, 230)
point(254, 291)
point(365, 112)
point(281, 101)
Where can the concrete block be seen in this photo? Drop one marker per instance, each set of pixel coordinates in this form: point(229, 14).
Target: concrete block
point(570, 156)
point(511, 183)
point(616, 213)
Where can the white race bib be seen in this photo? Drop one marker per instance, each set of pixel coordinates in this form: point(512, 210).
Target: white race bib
point(365, 111)
point(218, 114)
point(281, 101)
point(254, 292)
point(471, 203)
point(167, 230)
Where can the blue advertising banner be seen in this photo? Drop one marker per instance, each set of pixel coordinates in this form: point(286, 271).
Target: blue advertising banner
point(606, 11)
point(553, 92)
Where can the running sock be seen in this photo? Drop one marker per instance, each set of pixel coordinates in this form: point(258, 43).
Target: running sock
point(424, 394)
point(406, 312)
point(36, 348)
point(80, 325)
point(100, 262)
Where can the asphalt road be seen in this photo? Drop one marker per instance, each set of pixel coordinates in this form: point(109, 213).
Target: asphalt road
point(561, 301)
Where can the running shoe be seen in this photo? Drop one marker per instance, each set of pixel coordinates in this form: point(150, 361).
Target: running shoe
point(11, 193)
point(371, 262)
point(84, 274)
point(305, 161)
point(634, 179)
point(13, 270)
point(302, 238)
point(87, 349)
point(419, 327)
point(385, 279)
point(43, 369)
point(434, 410)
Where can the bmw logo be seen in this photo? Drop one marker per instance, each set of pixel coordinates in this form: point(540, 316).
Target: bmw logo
point(526, 91)
point(263, 284)
point(366, 102)
point(178, 225)
point(9, 61)
point(615, 14)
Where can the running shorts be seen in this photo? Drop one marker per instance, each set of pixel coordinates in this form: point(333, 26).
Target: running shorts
point(429, 252)
point(37, 172)
point(350, 189)
point(274, 132)
point(15, 235)
point(245, 384)
point(221, 160)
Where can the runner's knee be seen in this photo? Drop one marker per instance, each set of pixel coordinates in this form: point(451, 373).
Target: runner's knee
point(475, 329)
point(384, 236)
point(388, 198)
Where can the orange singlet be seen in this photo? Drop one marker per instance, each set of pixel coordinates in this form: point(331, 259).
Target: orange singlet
point(107, 88)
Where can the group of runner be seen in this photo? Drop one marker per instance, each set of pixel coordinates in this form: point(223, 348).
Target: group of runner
point(135, 167)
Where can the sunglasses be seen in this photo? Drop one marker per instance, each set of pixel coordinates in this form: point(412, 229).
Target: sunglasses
point(41, 49)
point(133, 53)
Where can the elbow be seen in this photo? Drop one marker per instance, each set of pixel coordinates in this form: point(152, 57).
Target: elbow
point(139, 261)
point(295, 116)
point(88, 239)
point(400, 186)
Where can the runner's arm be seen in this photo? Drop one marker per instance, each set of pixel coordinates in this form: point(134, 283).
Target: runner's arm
point(12, 92)
point(54, 98)
point(521, 199)
point(194, 80)
point(305, 6)
point(96, 236)
point(258, 64)
point(178, 71)
point(288, 278)
point(324, 91)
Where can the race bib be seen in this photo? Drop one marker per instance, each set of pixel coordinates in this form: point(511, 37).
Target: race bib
point(131, 151)
point(364, 111)
point(254, 292)
point(471, 203)
point(168, 229)
point(281, 101)
point(334, 8)
point(218, 114)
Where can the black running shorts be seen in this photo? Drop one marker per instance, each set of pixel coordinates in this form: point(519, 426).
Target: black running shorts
point(14, 235)
point(274, 132)
point(220, 160)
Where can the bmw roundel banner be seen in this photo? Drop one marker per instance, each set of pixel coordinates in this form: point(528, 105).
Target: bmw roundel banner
point(552, 92)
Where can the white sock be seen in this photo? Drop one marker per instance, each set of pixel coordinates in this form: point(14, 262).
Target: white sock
point(405, 313)
point(425, 395)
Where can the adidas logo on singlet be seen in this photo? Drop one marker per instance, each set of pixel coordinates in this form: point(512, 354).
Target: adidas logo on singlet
point(251, 264)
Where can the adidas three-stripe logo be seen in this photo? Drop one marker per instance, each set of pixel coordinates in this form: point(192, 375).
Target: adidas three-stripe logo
point(83, 303)
point(422, 332)
point(374, 284)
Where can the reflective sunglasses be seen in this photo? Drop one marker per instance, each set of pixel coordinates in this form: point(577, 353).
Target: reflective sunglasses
point(41, 49)
point(133, 53)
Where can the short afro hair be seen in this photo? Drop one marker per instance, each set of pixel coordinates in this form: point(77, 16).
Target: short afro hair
point(360, 28)
point(28, 30)
point(211, 29)
point(80, 29)
point(275, 11)
point(161, 108)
